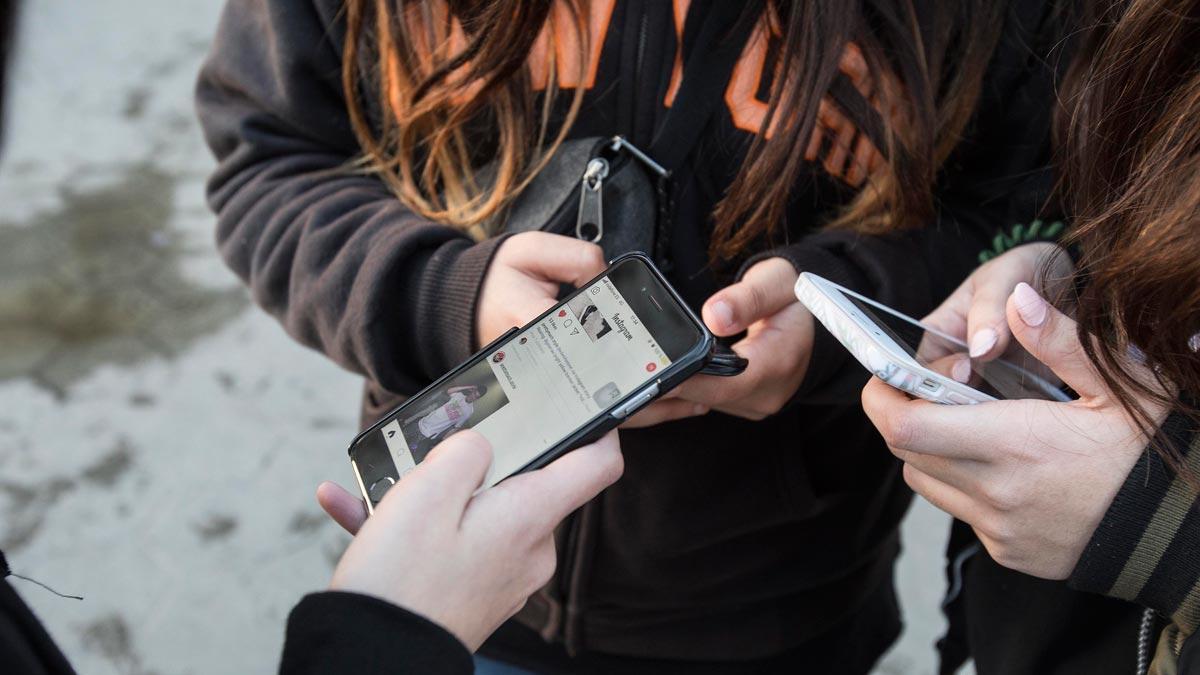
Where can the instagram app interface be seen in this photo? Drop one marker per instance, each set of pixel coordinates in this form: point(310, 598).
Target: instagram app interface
point(531, 392)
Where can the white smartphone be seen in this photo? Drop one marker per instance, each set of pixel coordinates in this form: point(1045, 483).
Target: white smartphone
point(915, 358)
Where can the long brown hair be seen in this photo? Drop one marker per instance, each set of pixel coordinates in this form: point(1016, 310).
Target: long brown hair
point(1129, 132)
point(419, 75)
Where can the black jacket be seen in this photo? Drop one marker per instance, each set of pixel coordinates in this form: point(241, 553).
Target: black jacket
point(326, 633)
point(726, 539)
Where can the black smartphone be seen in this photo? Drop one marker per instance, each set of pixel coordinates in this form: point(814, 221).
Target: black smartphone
point(561, 381)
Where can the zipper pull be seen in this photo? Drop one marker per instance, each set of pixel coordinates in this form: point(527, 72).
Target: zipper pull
point(590, 224)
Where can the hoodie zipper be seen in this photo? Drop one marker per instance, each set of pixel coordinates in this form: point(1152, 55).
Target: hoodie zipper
point(1143, 641)
point(590, 209)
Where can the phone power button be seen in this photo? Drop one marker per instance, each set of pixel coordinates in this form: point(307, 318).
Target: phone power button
point(634, 404)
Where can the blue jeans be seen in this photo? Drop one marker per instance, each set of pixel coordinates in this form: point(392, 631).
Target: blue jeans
point(486, 666)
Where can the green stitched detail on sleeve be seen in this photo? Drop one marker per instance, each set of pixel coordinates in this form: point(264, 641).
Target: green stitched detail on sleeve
point(1036, 230)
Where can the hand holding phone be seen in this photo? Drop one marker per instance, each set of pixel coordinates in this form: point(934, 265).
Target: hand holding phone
point(524, 277)
point(580, 369)
point(466, 561)
point(1033, 478)
point(975, 312)
point(913, 357)
point(777, 344)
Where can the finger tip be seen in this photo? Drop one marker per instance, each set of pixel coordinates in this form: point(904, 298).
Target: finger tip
point(718, 316)
point(961, 371)
point(473, 441)
point(1031, 308)
point(982, 342)
point(324, 489)
point(329, 496)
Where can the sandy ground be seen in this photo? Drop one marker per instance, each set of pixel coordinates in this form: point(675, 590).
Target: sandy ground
point(159, 438)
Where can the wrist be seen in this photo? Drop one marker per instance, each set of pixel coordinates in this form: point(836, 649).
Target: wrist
point(1141, 551)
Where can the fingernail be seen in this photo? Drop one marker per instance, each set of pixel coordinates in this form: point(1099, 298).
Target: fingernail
point(1030, 305)
point(723, 313)
point(961, 370)
point(700, 409)
point(982, 341)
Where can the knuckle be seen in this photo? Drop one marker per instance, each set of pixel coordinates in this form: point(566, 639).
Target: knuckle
point(773, 403)
point(998, 531)
point(514, 248)
point(519, 605)
point(756, 413)
point(757, 300)
point(613, 468)
point(1003, 497)
point(543, 566)
point(587, 254)
point(999, 552)
point(899, 430)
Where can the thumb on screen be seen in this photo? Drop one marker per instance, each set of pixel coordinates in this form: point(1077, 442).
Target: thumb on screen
point(1052, 338)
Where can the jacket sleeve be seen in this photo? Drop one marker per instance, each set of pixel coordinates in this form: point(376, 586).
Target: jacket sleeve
point(990, 192)
point(335, 632)
point(1145, 548)
point(328, 251)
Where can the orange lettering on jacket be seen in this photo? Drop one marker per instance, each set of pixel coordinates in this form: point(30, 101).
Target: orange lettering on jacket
point(558, 45)
point(836, 143)
point(681, 9)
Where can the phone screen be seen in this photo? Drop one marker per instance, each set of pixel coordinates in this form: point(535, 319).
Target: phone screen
point(548, 380)
point(1015, 375)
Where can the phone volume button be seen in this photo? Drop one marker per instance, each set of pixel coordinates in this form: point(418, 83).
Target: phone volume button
point(958, 399)
point(632, 405)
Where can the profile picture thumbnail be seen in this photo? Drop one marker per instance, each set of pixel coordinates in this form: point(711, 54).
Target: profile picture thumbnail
point(588, 315)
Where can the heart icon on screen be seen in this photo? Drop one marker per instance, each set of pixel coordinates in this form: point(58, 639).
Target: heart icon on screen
point(562, 313)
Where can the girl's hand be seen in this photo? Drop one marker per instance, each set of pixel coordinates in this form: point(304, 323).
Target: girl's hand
point(1033, 478)
point(466, 563)
point(778, 343)
point(975, 311)
point(523, 278)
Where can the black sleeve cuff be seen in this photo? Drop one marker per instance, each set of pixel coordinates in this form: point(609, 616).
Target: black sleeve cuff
point(828, 354)
point(1144, 550)
point(335, 632)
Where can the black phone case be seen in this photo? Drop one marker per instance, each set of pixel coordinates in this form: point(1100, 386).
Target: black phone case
point(689, 364)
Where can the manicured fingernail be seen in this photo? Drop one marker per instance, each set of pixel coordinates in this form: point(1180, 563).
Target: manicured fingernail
point(982, 341)
point(723, 313)
point(961, 370)
point(1030, 305)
